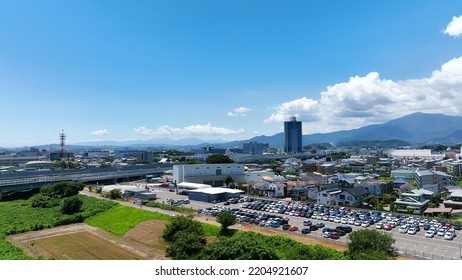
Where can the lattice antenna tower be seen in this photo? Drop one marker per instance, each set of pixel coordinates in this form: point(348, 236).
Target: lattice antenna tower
point(62, 138)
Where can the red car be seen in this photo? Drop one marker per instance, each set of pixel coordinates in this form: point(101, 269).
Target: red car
point(387, 227)
point(293, 228)
point(334, 235)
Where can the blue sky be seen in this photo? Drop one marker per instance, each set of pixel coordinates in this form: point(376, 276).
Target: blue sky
point(231, 70)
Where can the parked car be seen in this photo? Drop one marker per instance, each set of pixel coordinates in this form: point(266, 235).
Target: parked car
point(307, 223)
point(412, 230)
point(293, 228)
point(403, 229)
point(274, 224)
point(387, 227)
point(457, 226)
point(441, 232)
point(313, 227)
point(346, 229)
point(334, 235)
point(286, 227)
point(320, 225)
point(449, 235)
point(430, 233)
point(306, 230)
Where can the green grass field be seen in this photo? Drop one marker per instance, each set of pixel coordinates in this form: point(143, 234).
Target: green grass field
point(18, 216)
point(121, 219)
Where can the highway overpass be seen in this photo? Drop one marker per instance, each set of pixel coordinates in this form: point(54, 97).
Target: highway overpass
point(25, 181)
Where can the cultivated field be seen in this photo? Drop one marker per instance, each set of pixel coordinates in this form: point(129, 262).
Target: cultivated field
point(83, 242)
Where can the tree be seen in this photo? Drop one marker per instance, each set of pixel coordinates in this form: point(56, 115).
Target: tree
point(71, 205)
point(241, 247)
point(43, 201)
point(181, 224)
point(115, 194)
point(228, 180)
point(366, 244)
point(63, 189)
point(218, 159)
point(388, 198)
point(226, 219)
point(187, 245)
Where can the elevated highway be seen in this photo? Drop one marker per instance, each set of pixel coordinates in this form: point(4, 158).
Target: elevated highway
point(32, 180)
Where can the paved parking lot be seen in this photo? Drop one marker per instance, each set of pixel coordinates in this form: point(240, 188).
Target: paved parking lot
point(411, 245)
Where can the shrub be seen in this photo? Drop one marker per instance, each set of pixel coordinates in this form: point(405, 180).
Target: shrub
point(42, 201)
point(71, 205)
point(115, 194)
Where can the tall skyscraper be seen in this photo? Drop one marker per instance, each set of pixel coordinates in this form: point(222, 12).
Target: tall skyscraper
point(293, 136)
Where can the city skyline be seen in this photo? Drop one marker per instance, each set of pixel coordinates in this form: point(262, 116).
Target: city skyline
point(228, 70)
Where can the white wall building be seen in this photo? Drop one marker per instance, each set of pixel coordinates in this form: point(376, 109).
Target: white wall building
point(276, 190)
point(328, 196)
point(210, 174)
point(414, 153)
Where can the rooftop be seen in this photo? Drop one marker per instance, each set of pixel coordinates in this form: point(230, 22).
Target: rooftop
point(216, 190)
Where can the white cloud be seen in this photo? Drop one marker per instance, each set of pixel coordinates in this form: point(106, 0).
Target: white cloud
point(100, 132)
point(292, 108)
point(241, 111)
point(187, 131)
point(367, 100)
point(454, 28)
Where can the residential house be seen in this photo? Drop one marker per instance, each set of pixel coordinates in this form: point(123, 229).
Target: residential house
point(431, 187)
point(300, 194)
point(260, 188)
point(313, 179)
point(327, 168)
point(455, 168)
point(382, 171)
point(405, 188)
point(375, 187)
point(346, 180)
point(417, 200)
point(398, 183)
point(277, 190)
point(357, 166)
point(430, 177)
point(352, 196)
point(310, 165)
point(454, 200)
point(313, 191)
point(328, 196)
point(257, 175)
point(402, 173)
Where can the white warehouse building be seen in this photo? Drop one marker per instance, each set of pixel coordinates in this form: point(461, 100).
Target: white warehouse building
point(209, 174)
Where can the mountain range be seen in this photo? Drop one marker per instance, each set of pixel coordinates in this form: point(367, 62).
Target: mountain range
point(417, 128)
point(413, 129)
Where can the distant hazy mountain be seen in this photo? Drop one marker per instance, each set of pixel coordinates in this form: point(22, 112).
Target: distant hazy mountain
point(415, 128)
point(151, 142)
